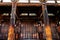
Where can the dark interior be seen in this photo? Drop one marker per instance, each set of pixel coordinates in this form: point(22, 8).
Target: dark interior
point(32, 9)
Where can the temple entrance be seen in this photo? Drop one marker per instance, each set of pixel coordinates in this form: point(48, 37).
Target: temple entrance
point(28, 31)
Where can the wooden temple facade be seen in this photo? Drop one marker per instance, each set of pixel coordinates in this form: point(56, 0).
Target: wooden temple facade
point(33, 21)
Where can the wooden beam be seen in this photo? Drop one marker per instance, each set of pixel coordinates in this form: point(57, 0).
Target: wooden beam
point(27, 4)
